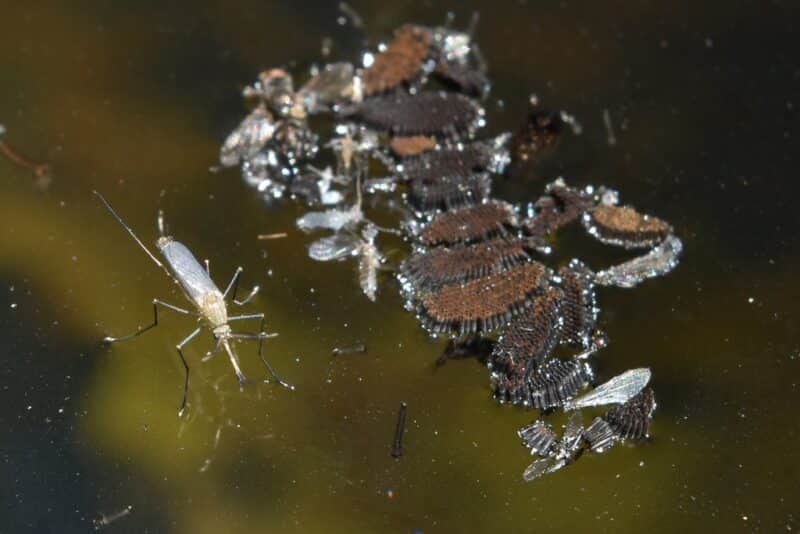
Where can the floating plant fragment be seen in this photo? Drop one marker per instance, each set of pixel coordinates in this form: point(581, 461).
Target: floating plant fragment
point(523, 348)
point(448, 192)
point(248, 138)
point(469, 224)
point(625, 227)
point(430, 269)
point(426, 113)
point(618, 390)
point(402, 62)
point(658, 262)
point(404, 147)
point(484, 304)
point(579, 306)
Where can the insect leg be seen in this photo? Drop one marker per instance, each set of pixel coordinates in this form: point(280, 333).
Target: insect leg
point(277, 378)
point(180, 346)
point(249, 297)
point(156, 304)
point(234, 283)
point(243, 317)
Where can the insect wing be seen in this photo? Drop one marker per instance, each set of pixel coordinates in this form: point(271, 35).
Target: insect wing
point(573, 432)
point(367, 272)
point(536, 469)
point(330, 219)
point(335, 247)
point(618, 390)
point(248, 138)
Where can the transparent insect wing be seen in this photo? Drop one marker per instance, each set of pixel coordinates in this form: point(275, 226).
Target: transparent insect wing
point(248, 138)
point(335, 247)
point(618, 390)
point(330, 219)
point(536, 469)
point(332, 84)
point(573, 431)
point(368, 272)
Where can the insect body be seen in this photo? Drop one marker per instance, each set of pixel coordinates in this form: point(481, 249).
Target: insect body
point(210, 303)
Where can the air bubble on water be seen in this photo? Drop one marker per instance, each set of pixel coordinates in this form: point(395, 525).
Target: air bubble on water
point(13, 305)
point(751, 300)
point(367, 60)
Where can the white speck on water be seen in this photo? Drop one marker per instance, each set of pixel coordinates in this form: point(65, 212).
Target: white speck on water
point(751, 300)
point(13, 305)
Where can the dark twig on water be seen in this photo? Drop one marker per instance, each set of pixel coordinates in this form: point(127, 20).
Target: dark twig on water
point(397, 444)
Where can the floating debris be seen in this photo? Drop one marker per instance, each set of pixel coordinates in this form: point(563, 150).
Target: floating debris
point(579, 306)
point(540, 134)
point(402, 62)
point(276, 235)
point(484, 304)
point(359, 347)
point(414, 145)
point(610, 137)
point(625, 227)
point(41, 171)
point(523, 348)
point(470, 81)
point(658, 262)
point(469, 224)
point(618, 390)
point(105, 520)
point(430, 269)
point(427, 113)
point(399, 430)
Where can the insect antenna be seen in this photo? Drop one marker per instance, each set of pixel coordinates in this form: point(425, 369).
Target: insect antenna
point(130, 231)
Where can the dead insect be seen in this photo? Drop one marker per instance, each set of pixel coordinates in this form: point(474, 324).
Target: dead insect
point(210, 303)
point(524, 346)
point(625, 227)
point(448, 192)
point(579, 306)
point(481, 305)
point(346, 244)
point(618, 390)
point(399, 430)
point(428, 269)
point(555, 453)
point(468, 225)
point(429, 113)
point(402, 62)
point(659, 261)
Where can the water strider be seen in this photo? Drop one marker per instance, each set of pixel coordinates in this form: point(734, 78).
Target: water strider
point(210, 303)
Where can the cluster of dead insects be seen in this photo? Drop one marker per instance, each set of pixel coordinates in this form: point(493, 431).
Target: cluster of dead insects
point(476, 271)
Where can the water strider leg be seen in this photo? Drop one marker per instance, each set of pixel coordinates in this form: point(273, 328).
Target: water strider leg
point(247, 299)
point(234, 283)
point(275, 375)
point(156, 304)
point(179, 347)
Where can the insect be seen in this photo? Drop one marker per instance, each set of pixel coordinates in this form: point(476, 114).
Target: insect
point(618, 390)
point(343, 244)
point(210, 303)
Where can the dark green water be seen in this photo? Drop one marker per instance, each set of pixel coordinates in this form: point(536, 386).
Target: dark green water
point(134, 99)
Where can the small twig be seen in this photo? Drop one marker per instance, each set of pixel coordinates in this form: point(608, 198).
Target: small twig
point(397, 444)
point(359, 347)
point(106, 520)
point(612, 139)
point(277, 235)
point(40, 170)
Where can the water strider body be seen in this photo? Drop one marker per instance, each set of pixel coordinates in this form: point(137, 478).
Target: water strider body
point(210, 303)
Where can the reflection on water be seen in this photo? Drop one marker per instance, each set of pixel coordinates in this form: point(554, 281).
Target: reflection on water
point(134, 101)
